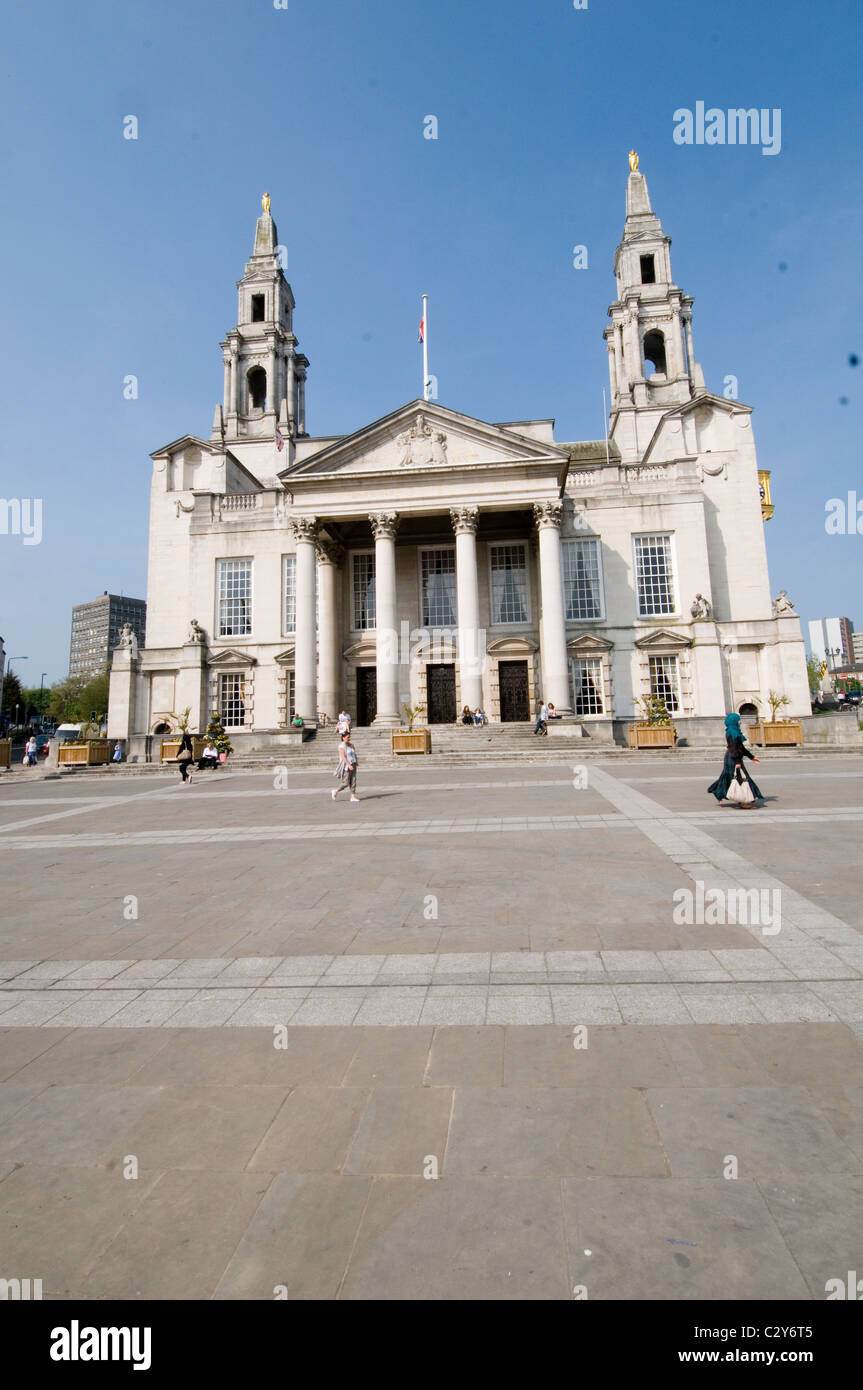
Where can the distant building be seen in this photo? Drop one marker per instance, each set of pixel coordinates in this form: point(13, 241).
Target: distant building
point(834, 635)
point(857, 645)
point(96, 631)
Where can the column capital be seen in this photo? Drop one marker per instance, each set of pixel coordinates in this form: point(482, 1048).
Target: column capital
point(464, 520)
point(330, 552)
point(547, 514)
point(304, 528)
point(384, 525)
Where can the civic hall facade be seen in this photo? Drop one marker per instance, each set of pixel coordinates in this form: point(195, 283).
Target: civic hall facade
point(432, 559)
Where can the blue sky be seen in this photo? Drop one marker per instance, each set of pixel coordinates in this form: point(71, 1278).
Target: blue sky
point(121, 256)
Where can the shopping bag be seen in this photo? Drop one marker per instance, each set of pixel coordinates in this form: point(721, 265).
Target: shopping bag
point(740, 792)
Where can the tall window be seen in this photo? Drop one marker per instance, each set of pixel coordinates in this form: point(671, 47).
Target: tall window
point(664, 681)
point(587, 683)
point(582, 587)
point(508, 584)
point(439, 606)
point(234, 597)
point(232, 710)
point(654, 576)
point(364, 592)
point(289, 594)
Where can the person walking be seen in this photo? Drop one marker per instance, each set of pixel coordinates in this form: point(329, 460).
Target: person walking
point(344, 722)
point(185, 758)
point(541, 726)
point(734, 786)
point(117, 755)
point(347, 769)
point(30, 753)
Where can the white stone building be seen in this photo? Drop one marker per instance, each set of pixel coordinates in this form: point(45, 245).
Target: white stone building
point(434, 559)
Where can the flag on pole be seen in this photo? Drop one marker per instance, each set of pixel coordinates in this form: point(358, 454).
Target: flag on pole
point(422, 336)
point(280, 443)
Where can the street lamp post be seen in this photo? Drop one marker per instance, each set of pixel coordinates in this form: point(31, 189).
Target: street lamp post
point(9, 672)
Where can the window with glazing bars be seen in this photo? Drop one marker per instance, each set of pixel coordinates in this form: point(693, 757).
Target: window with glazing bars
point(654, 575)
point(231, 707)
point(587, 680)
point(439, 588)
point(289, 594)
point(582, 590)
point(364, 591)
point(664, 681)
point(508, 584)
point(235, 597)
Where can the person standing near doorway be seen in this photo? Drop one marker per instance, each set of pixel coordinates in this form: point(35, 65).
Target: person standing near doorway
point(541, 726)
point(348, 764)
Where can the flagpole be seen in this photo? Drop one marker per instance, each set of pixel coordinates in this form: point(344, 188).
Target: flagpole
point(425, 347)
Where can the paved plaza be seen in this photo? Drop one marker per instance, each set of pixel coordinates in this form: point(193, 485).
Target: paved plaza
point(519, 1030)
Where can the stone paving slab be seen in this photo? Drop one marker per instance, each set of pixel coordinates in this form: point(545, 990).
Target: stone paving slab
point(496, 1068)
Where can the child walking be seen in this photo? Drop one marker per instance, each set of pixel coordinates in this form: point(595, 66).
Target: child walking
point(347, 769)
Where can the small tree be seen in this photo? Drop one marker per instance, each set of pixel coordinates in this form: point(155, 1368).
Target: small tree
point(776, 702)
point(182, 719)
point(217, 736)
point(412, 712)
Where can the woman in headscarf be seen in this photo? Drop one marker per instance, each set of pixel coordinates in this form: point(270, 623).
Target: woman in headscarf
point(733, 769)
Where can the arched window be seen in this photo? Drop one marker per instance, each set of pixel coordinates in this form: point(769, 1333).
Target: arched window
point(257, 384)
point(654, 353)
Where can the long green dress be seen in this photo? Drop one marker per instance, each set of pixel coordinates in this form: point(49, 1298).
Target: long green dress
point(735, 752)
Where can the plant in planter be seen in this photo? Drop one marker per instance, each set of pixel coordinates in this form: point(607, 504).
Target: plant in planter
point(412, 712)
point(776, 702)
point(216, 735)
point(776, 731)
point(655, 729)
point(411, 740)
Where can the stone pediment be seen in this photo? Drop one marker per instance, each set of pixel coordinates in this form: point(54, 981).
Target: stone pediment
point(286, 658)
point(513, 645)
point(421, 437)
point(231, 657)
point(588, 642)
point(662, 637)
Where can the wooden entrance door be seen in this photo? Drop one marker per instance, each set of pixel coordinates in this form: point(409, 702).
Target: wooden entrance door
point(512, 676)
point(440, 684)
point(367, 694)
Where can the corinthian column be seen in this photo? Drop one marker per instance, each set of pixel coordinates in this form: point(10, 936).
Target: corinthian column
point(330, 557)
point(555, 664)
point(384, 526)
point(305, 651)
point(471, 648)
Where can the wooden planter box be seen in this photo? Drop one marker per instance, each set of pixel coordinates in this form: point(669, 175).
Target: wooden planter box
point(171, 747)
point(411, 741)
point(651, 736)
point(5, 752)
point(90, 754)
point(781, 731)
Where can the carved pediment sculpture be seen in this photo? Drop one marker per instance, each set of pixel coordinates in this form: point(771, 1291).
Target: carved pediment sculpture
point(421, 444)
point(196, 635)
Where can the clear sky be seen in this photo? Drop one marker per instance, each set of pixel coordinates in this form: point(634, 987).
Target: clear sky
point(121, 256)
